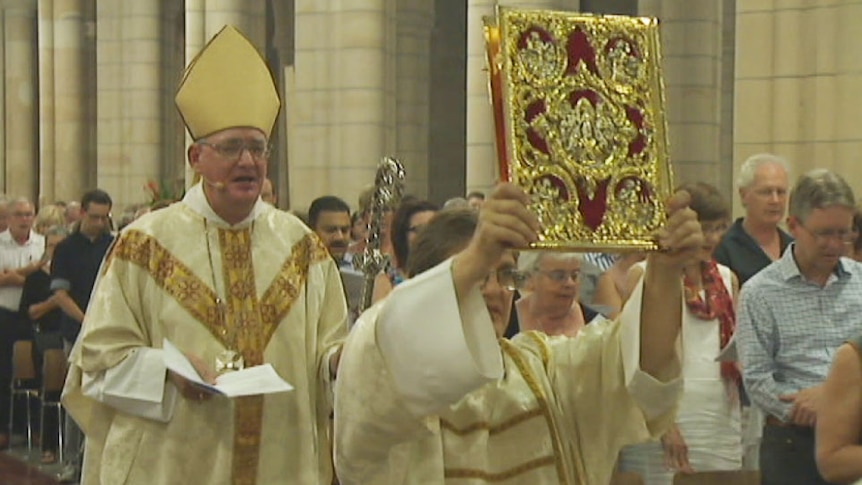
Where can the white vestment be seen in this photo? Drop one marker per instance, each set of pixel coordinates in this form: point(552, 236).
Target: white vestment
point(426, 394)
point(265, 287)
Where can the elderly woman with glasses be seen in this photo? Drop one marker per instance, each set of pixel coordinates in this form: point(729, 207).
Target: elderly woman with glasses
point(550, 304)
point(707, 434)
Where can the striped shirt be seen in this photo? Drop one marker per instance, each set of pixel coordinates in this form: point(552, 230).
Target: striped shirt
point(789, 328)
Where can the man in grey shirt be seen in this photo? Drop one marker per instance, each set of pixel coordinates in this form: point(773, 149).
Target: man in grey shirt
point(793, 316)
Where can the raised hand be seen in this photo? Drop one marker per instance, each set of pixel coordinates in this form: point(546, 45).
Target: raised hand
point(504, 223)
point(681, 238)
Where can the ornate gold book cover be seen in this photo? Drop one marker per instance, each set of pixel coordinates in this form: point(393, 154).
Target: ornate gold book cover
point(583, 130)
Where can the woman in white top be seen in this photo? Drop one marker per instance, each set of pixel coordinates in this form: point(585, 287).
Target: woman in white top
point(708, 434)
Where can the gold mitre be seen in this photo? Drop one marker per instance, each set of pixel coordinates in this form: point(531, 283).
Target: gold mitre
point(227, 85)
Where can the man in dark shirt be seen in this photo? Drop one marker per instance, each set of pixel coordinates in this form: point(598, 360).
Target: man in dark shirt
point(77, 260)
point(73, 274)
point(755, 241)
point(751, 244)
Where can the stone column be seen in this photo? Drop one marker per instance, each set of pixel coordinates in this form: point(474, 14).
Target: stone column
point(341, 106)
point(129, 92)
point(2, 102)
point(70, 174)
point(21, 112)
point(481, 151)
point(691, 49)
point(249, 16)
point(415, 18)
point(46, 101)
point(798, 82)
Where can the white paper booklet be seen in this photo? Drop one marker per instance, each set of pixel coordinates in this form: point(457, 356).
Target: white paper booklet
point(260, 379)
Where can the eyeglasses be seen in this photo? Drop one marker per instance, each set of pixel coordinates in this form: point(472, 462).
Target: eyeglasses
point(22, 214)
point(821, 236)
point(508, 278)
point(561, 275)
point(232, 149)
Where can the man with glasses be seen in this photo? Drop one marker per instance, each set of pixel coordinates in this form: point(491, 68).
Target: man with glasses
point(550, 302)
point(20, 254)
point(230, 281)
point(793, 316)
point(73, 275)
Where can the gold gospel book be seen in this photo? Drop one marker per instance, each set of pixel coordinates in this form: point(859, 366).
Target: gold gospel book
point(580, 123)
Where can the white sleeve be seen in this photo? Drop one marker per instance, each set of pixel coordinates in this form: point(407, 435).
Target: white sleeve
point(654, 397)
point(136, 386)
point(437, 351)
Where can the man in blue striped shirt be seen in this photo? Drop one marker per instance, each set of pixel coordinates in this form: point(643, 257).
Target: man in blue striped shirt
point(793, 316)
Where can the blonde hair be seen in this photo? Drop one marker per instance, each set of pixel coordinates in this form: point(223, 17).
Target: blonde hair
point(49, 216)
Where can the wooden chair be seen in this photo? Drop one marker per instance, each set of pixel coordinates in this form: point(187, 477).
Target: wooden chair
point(23, 384)
point(627, 478)
point(735, 477)
point(54, 368)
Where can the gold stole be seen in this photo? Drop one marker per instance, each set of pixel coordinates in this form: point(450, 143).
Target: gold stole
point(256, 318)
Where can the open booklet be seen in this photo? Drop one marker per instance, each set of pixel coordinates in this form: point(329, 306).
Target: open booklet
point(260, 379)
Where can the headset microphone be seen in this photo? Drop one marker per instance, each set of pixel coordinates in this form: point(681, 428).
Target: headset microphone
point(215, 185)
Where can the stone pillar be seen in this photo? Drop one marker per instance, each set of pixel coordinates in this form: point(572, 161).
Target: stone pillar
point(481, 151)
point(46, 101)
point(249, 16)
point(129, 92)
point(2, 102)
point(415, 18)
point(691, 50)
point(798, 85)
point(21, 117)
point(69, 179)
point(448, 102)
point(341, 106)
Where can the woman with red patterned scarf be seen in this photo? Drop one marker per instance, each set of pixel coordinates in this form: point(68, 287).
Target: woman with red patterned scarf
point(708, 434)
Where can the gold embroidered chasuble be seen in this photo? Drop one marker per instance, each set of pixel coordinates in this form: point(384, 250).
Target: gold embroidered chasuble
point(559, 415)
point(282, 304)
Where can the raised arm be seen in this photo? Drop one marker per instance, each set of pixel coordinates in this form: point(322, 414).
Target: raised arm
point(661, 311)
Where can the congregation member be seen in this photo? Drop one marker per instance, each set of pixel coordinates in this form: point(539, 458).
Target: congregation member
point(21, 250)
point(707, 432)
point(72, 210)
point(74, 269)
point(752, 243)
point(839, 419)
point(409, 219)
point(329, 218)
point(47, 217)
point(427, 393)
point(755, 240)
point(40, 308)
point(550, 294)
point(793, 316)
point(232, 282)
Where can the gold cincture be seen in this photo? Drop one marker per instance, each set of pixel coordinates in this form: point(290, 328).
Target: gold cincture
point(579, 114)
